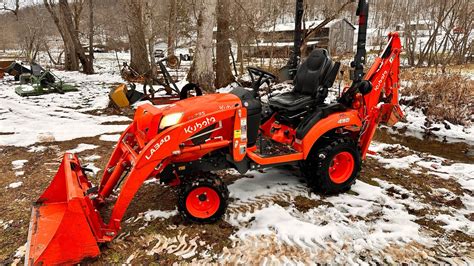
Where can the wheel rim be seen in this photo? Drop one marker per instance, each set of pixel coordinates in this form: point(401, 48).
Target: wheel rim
point(202, 202)
point(341, 167)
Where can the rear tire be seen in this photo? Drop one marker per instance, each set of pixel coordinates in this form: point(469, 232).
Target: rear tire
point(203, 199)
point(333, 167)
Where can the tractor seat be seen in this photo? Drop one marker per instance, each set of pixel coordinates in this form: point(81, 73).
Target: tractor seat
point(313, 78)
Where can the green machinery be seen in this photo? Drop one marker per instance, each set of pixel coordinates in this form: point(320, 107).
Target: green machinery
point(39, 81)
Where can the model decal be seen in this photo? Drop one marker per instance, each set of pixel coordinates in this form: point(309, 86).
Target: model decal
point(157, 146)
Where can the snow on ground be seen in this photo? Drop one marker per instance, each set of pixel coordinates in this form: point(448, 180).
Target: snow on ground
point(15, 184)
point(92, 157)
point(58, 117)
point(371, 221)
point(18, 164)
point(113, 137)
point(463, 173)
point(83, 147)
point(340, 226)
point(416, 122)
point(152, 215)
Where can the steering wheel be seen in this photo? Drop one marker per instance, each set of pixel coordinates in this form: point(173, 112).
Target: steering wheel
point(259, 76)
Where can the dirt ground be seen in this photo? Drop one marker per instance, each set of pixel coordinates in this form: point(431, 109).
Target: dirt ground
point(139, 235)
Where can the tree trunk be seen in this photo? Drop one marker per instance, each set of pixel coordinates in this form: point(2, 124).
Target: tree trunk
point(91, 31)
point(138, 51)
point(73, 38)
point(70, 60)
point(172, 27)
point(201, 71)
point(240, 56)
point(223, 70)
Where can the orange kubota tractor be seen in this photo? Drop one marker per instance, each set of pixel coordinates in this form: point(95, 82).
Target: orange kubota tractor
point(182, 143)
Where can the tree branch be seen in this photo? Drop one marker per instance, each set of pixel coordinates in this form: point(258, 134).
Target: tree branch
point(13, 10)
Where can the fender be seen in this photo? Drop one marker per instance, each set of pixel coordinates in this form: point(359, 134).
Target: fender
point(349, 119)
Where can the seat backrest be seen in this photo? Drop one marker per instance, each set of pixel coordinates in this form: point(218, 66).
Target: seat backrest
point(36, 69)
point(311, 73)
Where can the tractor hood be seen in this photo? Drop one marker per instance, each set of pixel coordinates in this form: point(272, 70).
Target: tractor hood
point(149, 117)
point(198, 106)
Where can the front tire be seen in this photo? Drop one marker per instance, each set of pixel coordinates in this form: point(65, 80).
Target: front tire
point(333, 167)
point(203, 199)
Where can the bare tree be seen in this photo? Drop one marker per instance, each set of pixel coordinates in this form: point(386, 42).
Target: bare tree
point(330, 15)
point(223, 70)
point(172, 26)
point(74, 52)
point(201, 71)
point(91, 30)
point(136, 34)
point(73, 37)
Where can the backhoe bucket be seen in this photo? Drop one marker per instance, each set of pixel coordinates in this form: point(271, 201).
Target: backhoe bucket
point(63, 219)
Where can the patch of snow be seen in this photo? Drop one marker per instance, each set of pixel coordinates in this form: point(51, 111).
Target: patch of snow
point(19, 173)
point(456, 223)
point(461, 172)
point(399, 163)
point(38, 148)
point(94, 157)
point(58, 117)
point(15, 184)
point(82, 147)
point(415, 126)
point(270, 181)
point(18, 164)
point(152, 215)
point(113, 138)
point(19, 255)
point(326, 227)
point(5, 224)
point(94, 169)
point(391, 162)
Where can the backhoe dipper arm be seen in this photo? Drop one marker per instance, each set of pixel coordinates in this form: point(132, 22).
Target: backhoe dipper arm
point(381, 103)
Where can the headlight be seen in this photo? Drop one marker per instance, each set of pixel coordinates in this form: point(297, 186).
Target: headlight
point(170, 120)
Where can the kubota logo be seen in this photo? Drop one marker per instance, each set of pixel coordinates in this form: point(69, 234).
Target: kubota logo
point(379, 83)
point(157, 146)
point(200, 125)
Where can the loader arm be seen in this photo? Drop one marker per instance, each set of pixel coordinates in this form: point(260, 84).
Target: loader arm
point(381, 105)
point(66, 224)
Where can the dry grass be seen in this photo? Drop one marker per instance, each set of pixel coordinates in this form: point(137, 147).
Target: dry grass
point(442, 97)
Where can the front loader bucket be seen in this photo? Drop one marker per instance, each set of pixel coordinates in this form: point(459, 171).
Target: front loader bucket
point(63, 227)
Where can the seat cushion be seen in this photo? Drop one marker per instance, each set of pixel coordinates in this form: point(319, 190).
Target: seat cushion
point(291, 101)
